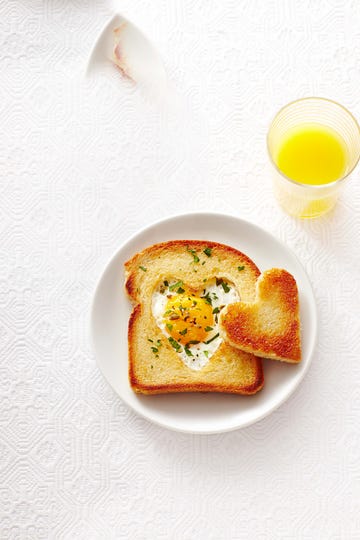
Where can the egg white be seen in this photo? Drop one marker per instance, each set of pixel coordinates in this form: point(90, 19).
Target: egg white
point(219, 299)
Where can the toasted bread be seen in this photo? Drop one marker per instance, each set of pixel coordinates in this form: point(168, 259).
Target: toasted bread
point(229, 369)
point(269, 326)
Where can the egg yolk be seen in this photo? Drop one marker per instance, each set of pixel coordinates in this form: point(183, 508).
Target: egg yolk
point(187, 316)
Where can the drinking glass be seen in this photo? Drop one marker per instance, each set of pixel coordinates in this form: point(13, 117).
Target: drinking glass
point(312, 200)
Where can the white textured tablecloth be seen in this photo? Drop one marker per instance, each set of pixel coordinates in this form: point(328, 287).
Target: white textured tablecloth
point(85, 165)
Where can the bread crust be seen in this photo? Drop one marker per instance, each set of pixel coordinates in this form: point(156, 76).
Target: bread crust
point(157, 250)
point(228, 370)
point(270, 326)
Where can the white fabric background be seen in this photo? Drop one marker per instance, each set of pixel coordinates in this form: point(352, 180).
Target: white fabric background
point(83, 166)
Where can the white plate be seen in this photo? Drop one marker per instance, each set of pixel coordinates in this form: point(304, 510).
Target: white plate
point(199, 413)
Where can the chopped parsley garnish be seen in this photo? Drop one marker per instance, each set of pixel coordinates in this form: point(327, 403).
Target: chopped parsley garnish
point(154, 349)
point(188, 352)
point(241, 268)
point(183, 332)
point(225, 286)
point(169, 326)
point(208, 251)
point(166, 283)
point(167, 312)
point(204, 280)
point(206, 354)
point(143, 268)
point(208, 328)
point(216, 310)
point(174, 344)
point(207, 298)
point(192, 342)
point(193, 253)
point(180, 290)
point(175, 285)
point(212, 339)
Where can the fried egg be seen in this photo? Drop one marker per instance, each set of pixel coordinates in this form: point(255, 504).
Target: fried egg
point(189, 319)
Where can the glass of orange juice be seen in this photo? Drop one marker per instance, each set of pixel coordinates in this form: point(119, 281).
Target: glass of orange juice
point(314, 145)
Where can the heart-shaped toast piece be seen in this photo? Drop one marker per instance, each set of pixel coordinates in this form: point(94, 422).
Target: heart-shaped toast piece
point(270, 326)
point(173, 288)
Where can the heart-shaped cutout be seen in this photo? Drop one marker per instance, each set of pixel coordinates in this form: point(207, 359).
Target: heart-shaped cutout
point(189, 318)
point(270, 326)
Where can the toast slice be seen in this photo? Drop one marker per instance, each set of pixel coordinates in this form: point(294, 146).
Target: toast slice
point(269, 326)
point(159, 369)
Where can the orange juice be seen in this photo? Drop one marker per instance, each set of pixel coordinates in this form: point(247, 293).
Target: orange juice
point(312, 154)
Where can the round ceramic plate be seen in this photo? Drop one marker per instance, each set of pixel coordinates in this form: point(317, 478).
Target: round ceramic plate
point(197, 412)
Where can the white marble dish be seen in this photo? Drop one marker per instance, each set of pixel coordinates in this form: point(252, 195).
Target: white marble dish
point(124, 47)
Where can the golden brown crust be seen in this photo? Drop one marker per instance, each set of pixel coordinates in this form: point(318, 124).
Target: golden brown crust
point(157, 250)
point(136, 313)
point(270, 326)
point(130, 285)
point(228, 370)
point(200, 387)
